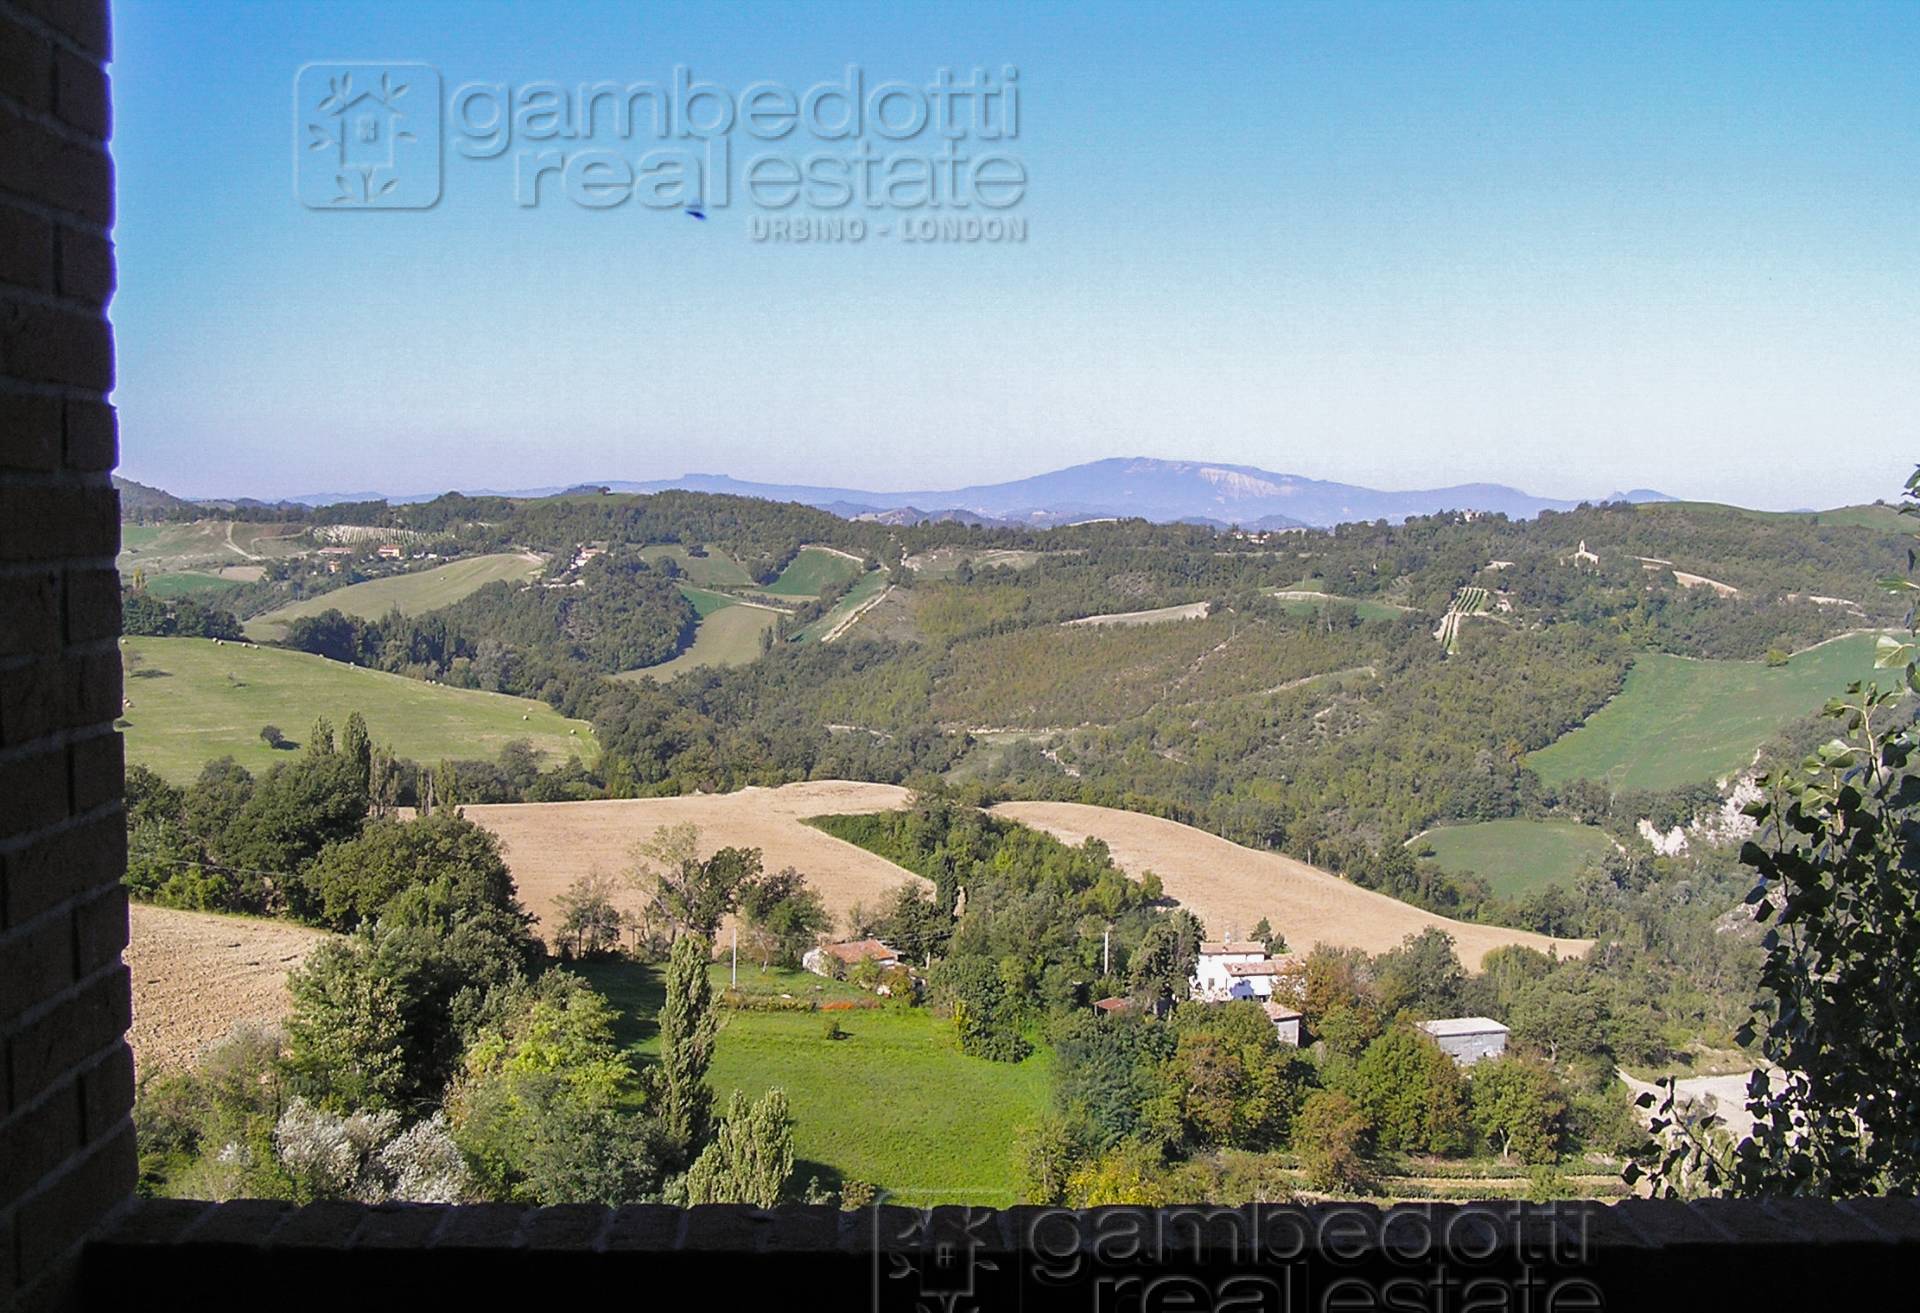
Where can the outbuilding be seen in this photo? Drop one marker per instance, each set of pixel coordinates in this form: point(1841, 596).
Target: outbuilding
point(1467, 1040)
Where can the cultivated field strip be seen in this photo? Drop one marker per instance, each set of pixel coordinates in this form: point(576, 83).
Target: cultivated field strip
point(196, 975)
point(1230, 887)
point(549, 845)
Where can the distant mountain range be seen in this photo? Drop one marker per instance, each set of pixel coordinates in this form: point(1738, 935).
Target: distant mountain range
point(1165, 491)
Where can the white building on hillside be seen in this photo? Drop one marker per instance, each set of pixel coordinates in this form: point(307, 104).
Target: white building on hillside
point(1230, 969)
point(1468, 1039)
point(1286, 1022)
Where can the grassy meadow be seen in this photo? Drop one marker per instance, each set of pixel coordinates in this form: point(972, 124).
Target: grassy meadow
point(413, 593)
point(193, 700)
point(1681, 721)
point(714, 570)
point(1516, 856)
point(729, 635)
point(809, 573)
point(895, 1103)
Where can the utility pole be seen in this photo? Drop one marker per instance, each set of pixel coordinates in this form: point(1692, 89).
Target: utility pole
point(1106, 951)
point(736, 955)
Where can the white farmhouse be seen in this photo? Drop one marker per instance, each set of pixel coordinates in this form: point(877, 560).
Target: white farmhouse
point(1231, 969)
point(1468, 1039)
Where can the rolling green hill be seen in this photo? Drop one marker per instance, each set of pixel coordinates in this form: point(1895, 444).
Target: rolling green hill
point(713, 570)
point(728, 635)
point(197, 544)
point(1516, 856)
point(1681, 721)
point(809, 573)
point(193, 700)
point(413, 593)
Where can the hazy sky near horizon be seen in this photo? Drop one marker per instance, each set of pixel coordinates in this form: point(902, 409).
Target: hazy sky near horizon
point(1574, 248)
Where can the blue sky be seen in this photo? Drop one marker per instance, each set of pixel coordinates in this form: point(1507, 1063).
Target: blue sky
point(1569, 247)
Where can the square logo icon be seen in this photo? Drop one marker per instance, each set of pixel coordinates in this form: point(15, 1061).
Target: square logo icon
point(367, 136)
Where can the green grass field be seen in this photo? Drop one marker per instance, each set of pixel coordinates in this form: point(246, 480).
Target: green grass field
point(809, 573)
point(182, 583)
point(856, 597)
point(194, 700)
point(706, 601)
point(413, 593)
point(1519, 855)
point(727, 636)
point(714, 570)
point(895, 1104)
point(1682, 722)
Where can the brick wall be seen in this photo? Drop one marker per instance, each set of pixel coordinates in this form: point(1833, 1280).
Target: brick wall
point(66, 1075)
point(1642, 1254)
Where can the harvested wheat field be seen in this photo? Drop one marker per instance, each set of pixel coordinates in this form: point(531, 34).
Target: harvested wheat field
point(549, 845)
point(1230, 888)
point(197, 974)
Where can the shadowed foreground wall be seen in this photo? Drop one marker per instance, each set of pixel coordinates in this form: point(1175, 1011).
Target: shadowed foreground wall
point(66, 1076)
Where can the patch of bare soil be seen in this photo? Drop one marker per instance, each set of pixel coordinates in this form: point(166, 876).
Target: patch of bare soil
point(198, 974)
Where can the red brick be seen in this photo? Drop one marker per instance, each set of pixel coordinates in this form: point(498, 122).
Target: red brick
point(158, 1222)
point(36, 963)
point(38, 1141)
point(85, 266)
point(32, 796)
point(74, 861)
point(93, 436)
point(26, 65)
point(489, 1227)
point(93, 605)
point(48, 523)
point(83, 1026)
point(29, 432)
point(37, 699)
point(46, 344)
point(400, 1226)
point(99, 767)
point(240, 1223)
point(100, 688)
point(31, 604)
point(80, 95)
point(646, 1227)
point(26, 250)
point(328, 1224)
point(106, 1094)
point(99, 930)
point(54, 1221)
point(566, 1226)
point(83, 22)
point(65, 173)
